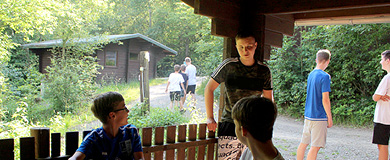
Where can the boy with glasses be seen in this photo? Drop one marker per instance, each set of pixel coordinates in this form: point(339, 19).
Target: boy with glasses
point(116, 139)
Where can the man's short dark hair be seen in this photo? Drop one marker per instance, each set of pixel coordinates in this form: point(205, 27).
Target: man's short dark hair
point(256, 114)
point(386, 54)
point(105, 103)
point(244, 34)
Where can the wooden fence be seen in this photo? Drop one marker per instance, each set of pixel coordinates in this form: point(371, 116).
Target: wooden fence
point(187, 146)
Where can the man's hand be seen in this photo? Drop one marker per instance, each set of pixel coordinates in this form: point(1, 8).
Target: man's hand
point(211, 124)
point(330, 122)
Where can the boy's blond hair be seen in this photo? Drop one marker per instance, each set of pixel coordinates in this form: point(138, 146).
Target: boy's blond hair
point(323, 55)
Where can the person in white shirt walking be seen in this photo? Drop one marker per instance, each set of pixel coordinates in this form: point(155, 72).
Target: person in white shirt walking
point(191, 72)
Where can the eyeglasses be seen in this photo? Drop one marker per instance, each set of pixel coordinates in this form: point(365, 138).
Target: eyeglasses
point(121, 109)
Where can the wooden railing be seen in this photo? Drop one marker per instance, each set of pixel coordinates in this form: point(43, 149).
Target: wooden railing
point(166, 147)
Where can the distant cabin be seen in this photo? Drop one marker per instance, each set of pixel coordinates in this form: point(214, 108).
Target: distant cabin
point(120, 61)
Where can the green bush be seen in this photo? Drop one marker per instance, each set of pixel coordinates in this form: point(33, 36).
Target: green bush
point(157, 117)
point(70, 79)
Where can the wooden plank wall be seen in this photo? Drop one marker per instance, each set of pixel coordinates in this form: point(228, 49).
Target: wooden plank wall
point(192, 143)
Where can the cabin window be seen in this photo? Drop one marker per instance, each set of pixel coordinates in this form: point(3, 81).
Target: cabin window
point(111, 58)
point(134, 56)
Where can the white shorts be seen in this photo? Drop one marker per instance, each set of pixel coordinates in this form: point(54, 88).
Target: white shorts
point(314, 132)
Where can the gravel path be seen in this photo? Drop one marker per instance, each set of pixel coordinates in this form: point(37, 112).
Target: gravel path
point(342, 142)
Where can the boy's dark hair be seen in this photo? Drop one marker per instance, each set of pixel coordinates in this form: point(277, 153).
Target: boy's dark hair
point(244, 34)
point(105, 103)
point(386, 54)
point(183, 67)
point(176, 67)
point(323, 55)
point(256, 114)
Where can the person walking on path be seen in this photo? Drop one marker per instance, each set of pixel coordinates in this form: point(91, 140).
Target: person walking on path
point(382, 110)
point(191, 72)
point(243, 76)
point(318, 115)
point(182, 92)
point(175, 80)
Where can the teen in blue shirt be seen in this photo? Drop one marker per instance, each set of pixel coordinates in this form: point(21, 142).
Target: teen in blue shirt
point(116, 139)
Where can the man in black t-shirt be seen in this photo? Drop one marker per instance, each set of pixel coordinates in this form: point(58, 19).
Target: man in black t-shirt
point(243, 76)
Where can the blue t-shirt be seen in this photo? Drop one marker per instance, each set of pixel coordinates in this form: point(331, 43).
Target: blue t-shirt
point(318, 82)
point(97, 145)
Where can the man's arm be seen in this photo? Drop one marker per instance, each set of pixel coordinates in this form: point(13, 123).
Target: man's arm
point(268, 94)
point(77, 156)
point(182, 86)
point(326, 104)
point(166, 89)
point(377, 97)
point(209, 102)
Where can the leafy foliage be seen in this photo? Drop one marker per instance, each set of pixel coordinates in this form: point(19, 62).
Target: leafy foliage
point(157, 117)
point(354, 68)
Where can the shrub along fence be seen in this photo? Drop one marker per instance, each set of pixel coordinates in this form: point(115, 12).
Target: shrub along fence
point(186, 147)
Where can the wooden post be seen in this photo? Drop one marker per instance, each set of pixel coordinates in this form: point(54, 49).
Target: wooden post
point(27, 148)
point(144, 83)
point(55, 144)
point(42, 142)
point(71, 142)
point(7, 149)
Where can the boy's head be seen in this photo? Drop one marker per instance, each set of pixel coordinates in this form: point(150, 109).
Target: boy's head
point(176, 67)
point(183, 68)
point(105, 103)
point(244, 34)
point(187, 59)
point(246, 45)
point(385, 60)
point(386, 54)
point(323, 55)
point(255, 115)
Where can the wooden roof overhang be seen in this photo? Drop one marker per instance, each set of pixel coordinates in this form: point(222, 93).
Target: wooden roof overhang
point(271, 19)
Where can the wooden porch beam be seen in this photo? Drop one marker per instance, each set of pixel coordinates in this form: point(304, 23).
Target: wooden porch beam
point(190, 3)
point(279, 24)
point(273, 38)
point(343, 21)
point(347, 13)
point(216, 9)
point(293, 6)
point(226, 29)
